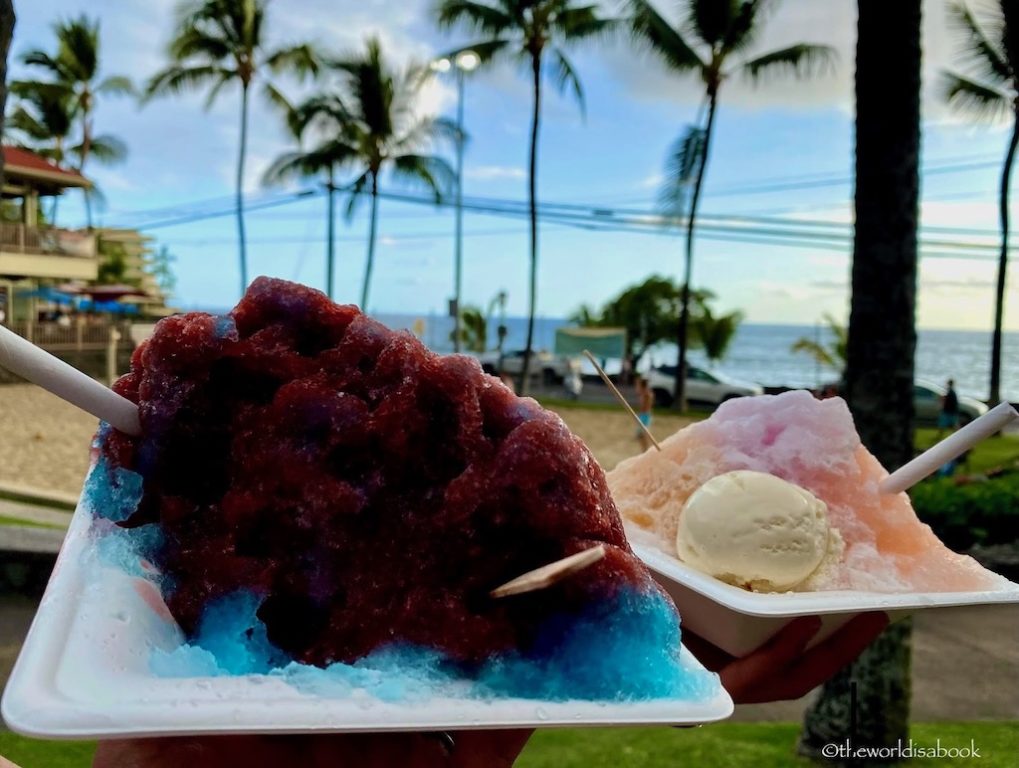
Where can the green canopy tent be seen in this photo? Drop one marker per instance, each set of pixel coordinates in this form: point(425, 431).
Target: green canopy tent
point(603, 343)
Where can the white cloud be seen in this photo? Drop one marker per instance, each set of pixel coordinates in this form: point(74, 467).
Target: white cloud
point(494, 172)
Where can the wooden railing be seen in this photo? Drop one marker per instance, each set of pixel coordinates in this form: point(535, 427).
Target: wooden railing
point(80, 334)
point(19, 238)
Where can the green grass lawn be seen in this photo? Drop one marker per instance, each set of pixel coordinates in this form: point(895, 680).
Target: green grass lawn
point(5, 520)
point(725, 745)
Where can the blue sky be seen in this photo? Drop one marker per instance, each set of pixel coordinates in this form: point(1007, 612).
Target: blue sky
point(781, 131)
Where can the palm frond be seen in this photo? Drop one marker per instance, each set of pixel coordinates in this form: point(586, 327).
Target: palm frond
point(301, 60)
point(196, 44)
point(487, 50)
point(574, 23)
point(982, 100)
point(78, 47)
point(799, 60)
point(434, 172)
point(106, 149)
point(116, 85)
point(681, 169)
point(476, 16)
point(178, 79)
point(324, 111)
point(651, 30)
point(712, 20)
point(357, 188)
point(565, 78)
point(57, 68)
point(818, 352)
point(980, 50)
point(276, 98)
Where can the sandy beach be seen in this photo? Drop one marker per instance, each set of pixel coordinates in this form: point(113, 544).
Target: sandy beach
point(44, 442)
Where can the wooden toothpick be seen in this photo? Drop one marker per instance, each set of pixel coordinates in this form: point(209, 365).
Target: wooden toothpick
point(547, 575)
point(619, 395)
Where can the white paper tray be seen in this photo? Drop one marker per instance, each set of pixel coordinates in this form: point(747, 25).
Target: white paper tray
point(739, 621)
point(83, 672)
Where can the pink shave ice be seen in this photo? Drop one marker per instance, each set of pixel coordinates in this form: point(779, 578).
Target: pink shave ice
point(813, 444)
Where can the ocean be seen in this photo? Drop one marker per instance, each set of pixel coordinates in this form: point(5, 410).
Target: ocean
point(762, 353)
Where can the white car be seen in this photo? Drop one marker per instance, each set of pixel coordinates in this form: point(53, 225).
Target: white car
point(702, 386)
point(552, 368)
point(927, 404)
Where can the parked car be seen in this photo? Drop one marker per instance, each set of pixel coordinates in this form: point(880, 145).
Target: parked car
point(703, 386)
point(927, 402)
point(552, 368)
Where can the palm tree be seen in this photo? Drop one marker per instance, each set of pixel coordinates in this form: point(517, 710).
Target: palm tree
point(325, 116)
point(382, 132)
point(705, 43)
point(869, 699)
point(220, 42)
point(75, 71)
point(831, 355)
point(7, 20)
point(473, 329)
point(991, 48)
point(716, 333)
point(529, 31)
point(42, 118)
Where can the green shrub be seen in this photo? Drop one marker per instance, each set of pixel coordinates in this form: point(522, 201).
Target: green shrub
point(982, 512)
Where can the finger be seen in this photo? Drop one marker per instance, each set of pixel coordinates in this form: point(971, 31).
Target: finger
point(746, 678)
point(826, 658)
point(708, 654)
point(492, 749)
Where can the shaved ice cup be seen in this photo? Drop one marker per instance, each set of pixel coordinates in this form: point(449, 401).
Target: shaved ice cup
point(739, 621)
point(85, 671)
point(892, 562)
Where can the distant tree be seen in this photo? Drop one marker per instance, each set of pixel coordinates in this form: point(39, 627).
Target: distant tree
point(648, 311)
point(831, 355)
point(473, 329)
point(112, 268)
point(585, 316)
point(715, 333)
point(991, 48)
point(75, 72)
point(535, 34)
point(325, 118)
point(41, 120)
point(220, 42)
point(710, 35)
point(162, 270)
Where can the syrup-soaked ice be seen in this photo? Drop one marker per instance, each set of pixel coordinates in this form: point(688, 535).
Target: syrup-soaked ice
point(812, 443)
point(359, 493)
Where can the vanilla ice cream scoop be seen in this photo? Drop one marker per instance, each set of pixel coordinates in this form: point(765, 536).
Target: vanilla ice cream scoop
point(753, 530)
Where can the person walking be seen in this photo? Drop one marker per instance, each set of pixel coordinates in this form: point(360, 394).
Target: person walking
point(645, 402)
point(949, 416)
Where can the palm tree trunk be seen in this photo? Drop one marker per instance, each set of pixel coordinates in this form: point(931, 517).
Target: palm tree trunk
point(532, 201)
point(331, 229)
point(86, 146)
point(868, 701)
point(679, 399)
point(999, 298)
point(242, 152)
point(7, 20)
point(458, 243)
point(372, 226)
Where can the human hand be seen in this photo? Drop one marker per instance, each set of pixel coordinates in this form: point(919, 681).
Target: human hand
point(466, 749)
point(781, 669)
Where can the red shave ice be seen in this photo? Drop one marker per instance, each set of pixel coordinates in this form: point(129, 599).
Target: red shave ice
point(366, 489)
